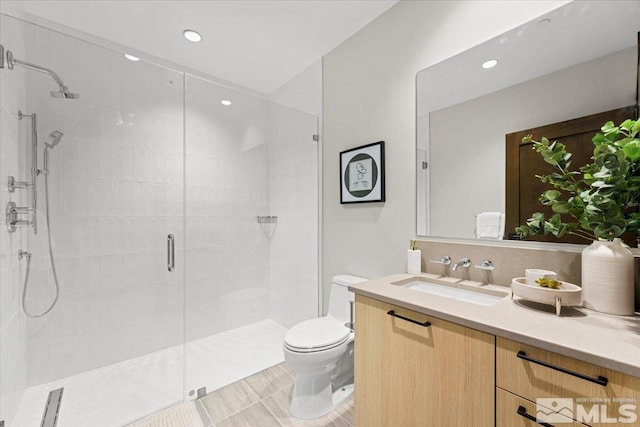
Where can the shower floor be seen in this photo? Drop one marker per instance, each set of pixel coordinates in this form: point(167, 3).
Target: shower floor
point(118, 394)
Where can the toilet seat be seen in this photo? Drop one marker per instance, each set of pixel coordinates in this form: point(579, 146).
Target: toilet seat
point(314, 335)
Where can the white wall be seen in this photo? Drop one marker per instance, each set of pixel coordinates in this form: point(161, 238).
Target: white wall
point(457, 162)
point(369, 95)
point(303, 92)
point(13, 152)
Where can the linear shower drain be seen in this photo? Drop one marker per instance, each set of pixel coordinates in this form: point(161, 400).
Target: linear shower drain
point(52, 408)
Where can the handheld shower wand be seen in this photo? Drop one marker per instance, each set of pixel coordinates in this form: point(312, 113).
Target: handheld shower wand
point(50, 143)
point(52, 140)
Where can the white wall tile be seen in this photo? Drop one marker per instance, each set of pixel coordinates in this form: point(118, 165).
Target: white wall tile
point(13, 153)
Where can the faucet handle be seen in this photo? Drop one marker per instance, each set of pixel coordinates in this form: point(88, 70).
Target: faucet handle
point(485, 265)
point(446, 260)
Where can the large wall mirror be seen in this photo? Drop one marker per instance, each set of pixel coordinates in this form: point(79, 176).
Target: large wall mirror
point(577, 61)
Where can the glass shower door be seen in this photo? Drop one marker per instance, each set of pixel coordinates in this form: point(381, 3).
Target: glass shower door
point(114, 339)
point(252, 233)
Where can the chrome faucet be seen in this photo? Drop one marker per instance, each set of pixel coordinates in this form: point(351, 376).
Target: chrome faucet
point(464, 262)
point(444, 261)
point(487, 266)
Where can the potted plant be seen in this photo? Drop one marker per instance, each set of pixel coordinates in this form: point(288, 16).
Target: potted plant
point(598, 199)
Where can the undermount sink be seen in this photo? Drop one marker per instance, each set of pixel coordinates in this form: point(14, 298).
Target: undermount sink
point(455, 290)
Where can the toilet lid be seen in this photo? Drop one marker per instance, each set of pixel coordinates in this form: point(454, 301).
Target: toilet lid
point(320, 333)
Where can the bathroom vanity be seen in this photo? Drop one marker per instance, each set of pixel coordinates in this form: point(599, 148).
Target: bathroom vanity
point(424, 359)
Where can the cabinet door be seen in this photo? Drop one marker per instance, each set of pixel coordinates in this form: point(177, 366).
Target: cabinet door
point(409, 374)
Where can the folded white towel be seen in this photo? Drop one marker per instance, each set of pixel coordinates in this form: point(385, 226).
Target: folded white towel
point(490, 225)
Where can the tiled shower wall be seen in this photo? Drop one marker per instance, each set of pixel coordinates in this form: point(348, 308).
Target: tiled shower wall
point(251, 159)
point(227, 253)
point(115, 193)
point(13, 152)
point(117, 188)
point(293, 178)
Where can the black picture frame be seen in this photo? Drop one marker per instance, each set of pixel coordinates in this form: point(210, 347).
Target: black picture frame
point(362, 174)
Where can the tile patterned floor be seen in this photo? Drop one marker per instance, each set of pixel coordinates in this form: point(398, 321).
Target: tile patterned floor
point(261, 400)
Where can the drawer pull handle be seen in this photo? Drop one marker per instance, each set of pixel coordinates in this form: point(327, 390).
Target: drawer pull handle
point(522, 411)
point(603, 381)
point(393, 313)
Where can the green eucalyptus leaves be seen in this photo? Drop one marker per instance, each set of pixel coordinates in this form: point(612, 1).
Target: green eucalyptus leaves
point(600, 193)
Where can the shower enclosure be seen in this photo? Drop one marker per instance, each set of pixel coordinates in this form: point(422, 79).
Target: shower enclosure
point(184, 232)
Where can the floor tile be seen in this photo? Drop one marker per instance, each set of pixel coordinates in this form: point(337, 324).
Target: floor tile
point(270, 380)
point(240, 404)
point(182, 415)
point(228, 400)
point(278, 403)
point(254, 416)
point(288, 368)
point(346, 410)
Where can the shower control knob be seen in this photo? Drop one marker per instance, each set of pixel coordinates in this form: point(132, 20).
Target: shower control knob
point(12, 215)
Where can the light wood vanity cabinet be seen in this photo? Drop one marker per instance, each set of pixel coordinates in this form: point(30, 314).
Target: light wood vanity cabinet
point(532, 373)
point(415, 370)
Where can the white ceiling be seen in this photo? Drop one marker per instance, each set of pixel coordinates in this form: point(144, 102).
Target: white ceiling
point(257, 44)
point(575, 33)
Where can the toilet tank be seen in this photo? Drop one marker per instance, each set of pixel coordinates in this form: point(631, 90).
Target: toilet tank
point(340, 296)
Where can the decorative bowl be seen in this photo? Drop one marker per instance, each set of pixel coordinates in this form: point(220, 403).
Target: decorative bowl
point(567, 294)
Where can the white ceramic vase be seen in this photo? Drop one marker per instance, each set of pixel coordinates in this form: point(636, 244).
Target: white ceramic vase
point(607, 278)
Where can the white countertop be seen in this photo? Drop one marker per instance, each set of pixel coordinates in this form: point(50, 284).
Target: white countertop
point(605, 340)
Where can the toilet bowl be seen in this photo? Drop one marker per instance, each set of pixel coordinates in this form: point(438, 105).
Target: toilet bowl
point(321, 353)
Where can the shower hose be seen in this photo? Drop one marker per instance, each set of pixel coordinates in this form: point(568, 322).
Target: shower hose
point(53, 264)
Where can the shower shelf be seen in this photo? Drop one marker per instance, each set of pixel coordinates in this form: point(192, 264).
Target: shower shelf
point(267, 219)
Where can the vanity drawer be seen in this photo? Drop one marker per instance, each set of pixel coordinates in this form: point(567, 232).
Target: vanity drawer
point(514, 411)
point(521, 370)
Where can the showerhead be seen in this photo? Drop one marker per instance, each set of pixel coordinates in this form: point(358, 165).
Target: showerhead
point(53, 139)
point(64, 93)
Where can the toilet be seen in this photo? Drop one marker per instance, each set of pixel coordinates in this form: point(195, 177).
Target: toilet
point(320, 351)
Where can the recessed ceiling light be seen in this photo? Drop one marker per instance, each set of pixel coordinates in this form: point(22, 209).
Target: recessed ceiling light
point(192, 36)
point(131, 57)
point(225, 102)
point(490, 63)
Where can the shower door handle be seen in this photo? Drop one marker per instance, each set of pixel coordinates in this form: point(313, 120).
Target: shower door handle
point(171, 252)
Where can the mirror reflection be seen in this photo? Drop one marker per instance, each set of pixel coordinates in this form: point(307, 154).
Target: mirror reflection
point(577, 61)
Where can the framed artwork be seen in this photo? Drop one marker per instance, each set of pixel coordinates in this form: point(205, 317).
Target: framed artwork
point(362, 174)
